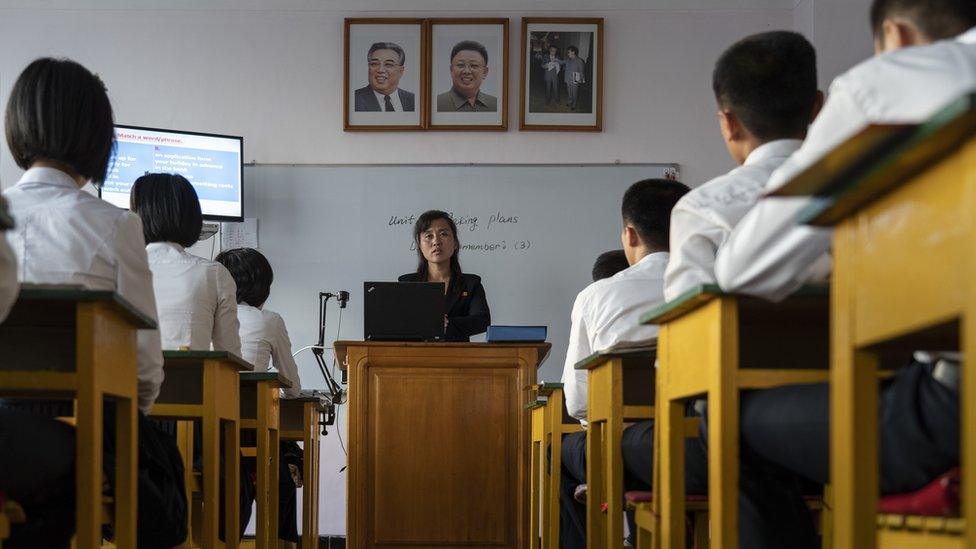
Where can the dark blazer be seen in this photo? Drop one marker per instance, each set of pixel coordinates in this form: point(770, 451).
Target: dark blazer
point(366, 100)
point(466, 306)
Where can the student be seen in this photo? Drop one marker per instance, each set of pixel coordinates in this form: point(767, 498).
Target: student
point(59, 127)
point(766, 89)
point(608, 264)
point(263, 334)
point(196, 298)
point(768, 255)
point(263, 339)
point(608, 312)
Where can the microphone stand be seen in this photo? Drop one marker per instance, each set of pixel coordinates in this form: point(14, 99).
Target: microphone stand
point(318, 351)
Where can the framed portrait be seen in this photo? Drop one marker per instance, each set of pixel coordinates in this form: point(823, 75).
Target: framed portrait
point(384, 74)
point(468, 74)
point(561, 86)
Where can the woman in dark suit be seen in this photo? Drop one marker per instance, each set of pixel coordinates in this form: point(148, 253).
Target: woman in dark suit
point(435, 236)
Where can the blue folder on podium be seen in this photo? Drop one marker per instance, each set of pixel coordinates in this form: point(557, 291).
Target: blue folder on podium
point(516, 334)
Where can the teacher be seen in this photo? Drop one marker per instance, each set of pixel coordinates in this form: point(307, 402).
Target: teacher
point(435, 236)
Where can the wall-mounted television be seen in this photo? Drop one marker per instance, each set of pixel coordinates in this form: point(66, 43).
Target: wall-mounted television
point(212, 163)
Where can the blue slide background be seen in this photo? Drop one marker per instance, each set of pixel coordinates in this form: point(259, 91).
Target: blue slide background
point(133, 160)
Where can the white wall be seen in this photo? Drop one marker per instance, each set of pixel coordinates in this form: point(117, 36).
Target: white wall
point(840, 31)
point(276, 78)
point(271, 70)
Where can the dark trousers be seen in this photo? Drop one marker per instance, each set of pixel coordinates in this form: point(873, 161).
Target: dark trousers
point(37, 470)
point(789, 428)
point(287, 497)
point(573, 90)
point(552, 88)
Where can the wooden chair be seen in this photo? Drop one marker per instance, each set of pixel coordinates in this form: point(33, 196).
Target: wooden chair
point(620, 389)
point(260, 395)
point(715, 345)
point(68, 343)
point(203, 386)
point(904, 272)
point(301, 422)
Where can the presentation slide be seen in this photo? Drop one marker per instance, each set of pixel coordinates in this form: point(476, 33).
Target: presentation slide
point(212, 164)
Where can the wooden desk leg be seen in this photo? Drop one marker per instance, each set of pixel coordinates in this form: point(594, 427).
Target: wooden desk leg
point(184, 441)
point(535, 504)
point(275, 495)
point(854, 417)
point(88, 482)
point(614, 471)
point(211, 477)
point(310, 508)
point(555, 471)
point(126, 460)
point(671, 490)
point(232, 475)
point(595, 525)
point(967, 400)
point(723, 464)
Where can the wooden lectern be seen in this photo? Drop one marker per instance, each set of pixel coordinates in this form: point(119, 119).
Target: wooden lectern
point(439, 443)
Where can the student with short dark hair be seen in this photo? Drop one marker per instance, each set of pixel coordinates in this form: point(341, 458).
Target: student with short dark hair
point(608, 312)
point(59, 126)
point(769, 255)
point(766, 89)
point(196, 297)
point(264, 338)
point(608, 264)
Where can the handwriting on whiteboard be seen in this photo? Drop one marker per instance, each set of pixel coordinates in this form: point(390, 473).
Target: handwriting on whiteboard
point(464, 222)
point(473, 231)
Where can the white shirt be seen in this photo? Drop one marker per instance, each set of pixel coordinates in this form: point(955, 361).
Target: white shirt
point(703, 218)
point(768, 254)
point(64, 235)
point(263, 339)
point(607, 312)
point(9, 286)
point(196, 299)
point(394, 98)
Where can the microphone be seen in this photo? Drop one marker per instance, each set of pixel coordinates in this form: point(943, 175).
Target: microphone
point(341, 296)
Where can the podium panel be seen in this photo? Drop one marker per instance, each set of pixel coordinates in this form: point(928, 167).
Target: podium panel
point(439, 443)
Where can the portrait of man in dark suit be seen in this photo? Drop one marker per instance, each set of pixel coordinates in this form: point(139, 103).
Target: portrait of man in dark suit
point(383, 94)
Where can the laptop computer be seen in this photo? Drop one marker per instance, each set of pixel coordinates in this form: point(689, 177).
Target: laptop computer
point(403, 311)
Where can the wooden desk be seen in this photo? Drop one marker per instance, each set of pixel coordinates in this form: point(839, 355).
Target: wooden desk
point(301, 422)
point(716, 345)
point(556, 423)
point(620, 389)
point(904, 272)
point(64, 342)
point(203, 385)
point(260, 393)
point(439, 443)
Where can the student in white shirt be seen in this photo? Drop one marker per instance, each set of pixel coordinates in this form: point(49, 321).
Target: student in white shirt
point(766, 89)
point(264, 339)
point(608, 312)
point(59, 127)
point(926, 57)
point(196, 297)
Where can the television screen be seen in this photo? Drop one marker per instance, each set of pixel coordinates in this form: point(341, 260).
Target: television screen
point(212, 163)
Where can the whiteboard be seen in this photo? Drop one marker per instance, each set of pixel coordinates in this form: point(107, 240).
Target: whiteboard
point(531, 232)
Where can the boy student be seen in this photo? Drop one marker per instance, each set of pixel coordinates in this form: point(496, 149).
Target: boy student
point(768, 255)
point(766, 89)
point(607, 312)
point(59, 126)
point(608, 264)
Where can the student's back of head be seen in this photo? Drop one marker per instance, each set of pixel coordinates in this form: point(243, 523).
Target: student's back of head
point(933, 19)
point(169, 208)
point(647, 209)
point(252, 273)
point(59, 112)
point(608, 264)
point(769, 82)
